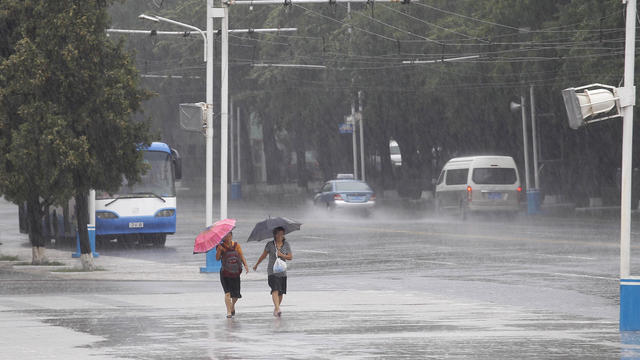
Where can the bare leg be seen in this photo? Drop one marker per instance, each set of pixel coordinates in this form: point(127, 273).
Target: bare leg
point(228, 302)
point(233, 305)
point(279, 299)
point(275, 296)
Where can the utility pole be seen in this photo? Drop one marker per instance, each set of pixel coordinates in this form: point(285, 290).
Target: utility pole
point(353, 109)
point(534, 137)
point(360, 98)
point(353, 140)
point(224, 109)
point(239, 178)
point(232, 145)
point(627, 141)
point(525, 143)
point(209, 131)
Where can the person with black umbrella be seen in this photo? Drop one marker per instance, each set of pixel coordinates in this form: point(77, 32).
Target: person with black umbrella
point(277, 278)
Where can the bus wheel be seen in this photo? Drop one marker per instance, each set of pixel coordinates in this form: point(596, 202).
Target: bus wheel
point(159, 240)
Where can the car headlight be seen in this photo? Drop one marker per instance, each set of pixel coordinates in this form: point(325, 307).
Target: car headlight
point(166, 213)
point(106, 215)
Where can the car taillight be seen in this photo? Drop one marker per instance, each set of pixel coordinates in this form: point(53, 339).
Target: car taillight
point(373, 197)
point(469, 193)
point(337, 197)
point(519, 189)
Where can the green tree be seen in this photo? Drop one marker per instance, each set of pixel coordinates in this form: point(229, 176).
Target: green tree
point(67, 94)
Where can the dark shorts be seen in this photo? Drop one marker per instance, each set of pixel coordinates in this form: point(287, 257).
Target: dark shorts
point(231, 285)
point(278, 283)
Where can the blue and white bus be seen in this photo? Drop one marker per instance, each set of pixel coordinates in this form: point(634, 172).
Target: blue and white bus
point(144, 211)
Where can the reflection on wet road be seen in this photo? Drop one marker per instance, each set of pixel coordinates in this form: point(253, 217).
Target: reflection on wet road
point(381, 287)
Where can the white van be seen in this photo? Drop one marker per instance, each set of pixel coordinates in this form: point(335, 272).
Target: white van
point(478, 184)
point(394, 154)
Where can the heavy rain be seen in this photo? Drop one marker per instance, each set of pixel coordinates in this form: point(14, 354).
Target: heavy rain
point(452, 180)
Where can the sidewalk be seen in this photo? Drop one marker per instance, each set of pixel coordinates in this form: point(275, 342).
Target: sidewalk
point(15, 244)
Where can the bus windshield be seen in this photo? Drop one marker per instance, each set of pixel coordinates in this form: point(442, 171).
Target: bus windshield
point(157, 181)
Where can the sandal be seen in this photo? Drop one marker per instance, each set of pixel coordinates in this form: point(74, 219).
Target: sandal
point(229, 316)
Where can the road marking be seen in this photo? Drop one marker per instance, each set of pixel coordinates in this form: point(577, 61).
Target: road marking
point(586, 276)
point(314, 251)
point(315, 237)
point(566, 256)
point(435, 262)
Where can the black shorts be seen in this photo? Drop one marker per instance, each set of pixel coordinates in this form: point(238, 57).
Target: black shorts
point(278, 283)
point(231, 285)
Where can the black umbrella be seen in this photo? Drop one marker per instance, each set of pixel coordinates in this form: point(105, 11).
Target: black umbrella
point(264, 229)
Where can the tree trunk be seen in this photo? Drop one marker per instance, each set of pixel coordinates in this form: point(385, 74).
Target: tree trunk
point(301, 163)
point(247, 170)
point(34, 218)
point(82, 215)
point(271, 152)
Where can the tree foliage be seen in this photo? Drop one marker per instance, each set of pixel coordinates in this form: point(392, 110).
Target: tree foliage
point(67, 94)
point(436, 109)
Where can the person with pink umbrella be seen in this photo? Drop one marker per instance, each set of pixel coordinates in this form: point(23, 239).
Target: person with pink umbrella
point(230, 254)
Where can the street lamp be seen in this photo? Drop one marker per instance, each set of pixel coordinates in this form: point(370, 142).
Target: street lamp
point(208, 58)
point(224, 97)
point(159, 19)
point(586, 103)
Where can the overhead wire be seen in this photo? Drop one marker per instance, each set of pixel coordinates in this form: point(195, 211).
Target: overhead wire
point(374, 60)
point(429, 23)
point(463, 16)
point(344, 23)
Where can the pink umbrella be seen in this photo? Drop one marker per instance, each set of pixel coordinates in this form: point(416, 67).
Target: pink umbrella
point(214, 234)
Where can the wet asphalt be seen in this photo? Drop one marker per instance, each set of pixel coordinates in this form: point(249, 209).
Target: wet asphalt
point(399, 284)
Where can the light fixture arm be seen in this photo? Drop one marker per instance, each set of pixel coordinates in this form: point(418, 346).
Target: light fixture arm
point(160, 18)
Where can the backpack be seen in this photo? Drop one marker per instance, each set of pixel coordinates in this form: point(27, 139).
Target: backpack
point(231, 263)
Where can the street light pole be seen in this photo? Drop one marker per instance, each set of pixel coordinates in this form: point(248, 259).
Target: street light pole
point(209, 131)
point(224, 108)
point(525, 143)
point(212, 13)
point(208, 58)
point(361, 136)
point(627, 143)
point(534, 140)
point(629, 289)
point(353, 140)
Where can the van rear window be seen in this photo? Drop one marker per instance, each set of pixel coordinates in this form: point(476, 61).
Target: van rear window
point(497, 176)
point(457, 176)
